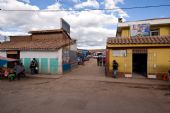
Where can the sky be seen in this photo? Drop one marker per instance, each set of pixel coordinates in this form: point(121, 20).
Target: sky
point(89, 28)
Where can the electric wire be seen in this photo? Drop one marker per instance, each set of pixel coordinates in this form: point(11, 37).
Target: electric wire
point(102, 9)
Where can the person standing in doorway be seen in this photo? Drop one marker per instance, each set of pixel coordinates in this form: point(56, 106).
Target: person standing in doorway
point(115, 68)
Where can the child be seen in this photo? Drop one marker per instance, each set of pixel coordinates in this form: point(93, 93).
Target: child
point(6, 73)
point(11, 75)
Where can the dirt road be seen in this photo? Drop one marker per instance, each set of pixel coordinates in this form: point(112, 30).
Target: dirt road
point(89, 69)
point(64, 95)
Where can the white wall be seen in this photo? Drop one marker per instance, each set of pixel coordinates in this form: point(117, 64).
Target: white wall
point(151, 22)
point(39, 54)
point(3, 53)
point(44, 54)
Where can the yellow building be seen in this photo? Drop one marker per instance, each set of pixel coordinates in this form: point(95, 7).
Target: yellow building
point(141, 48)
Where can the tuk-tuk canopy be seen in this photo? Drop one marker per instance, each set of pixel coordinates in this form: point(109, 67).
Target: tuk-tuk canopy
point(4, 60)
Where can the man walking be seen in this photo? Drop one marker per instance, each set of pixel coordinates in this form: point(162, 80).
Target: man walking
point(115, 68)
point(34, 66)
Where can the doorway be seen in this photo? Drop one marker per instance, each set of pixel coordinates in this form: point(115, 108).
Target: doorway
point(139, 64)
point(12, 54)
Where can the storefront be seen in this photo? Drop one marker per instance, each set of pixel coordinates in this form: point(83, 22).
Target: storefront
point(140, 57)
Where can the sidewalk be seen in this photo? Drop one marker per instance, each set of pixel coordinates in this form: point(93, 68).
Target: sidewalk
point(44, 76)
point(140, 81)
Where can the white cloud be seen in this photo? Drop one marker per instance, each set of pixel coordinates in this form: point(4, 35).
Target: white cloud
point(90, 28)
point(92, 37)
point(27, 1)
point(112, 4)
point(88, 3)
point(13, 20)
point(91, 18)
point(7, 33)
point(109, 4)
point(55, 6)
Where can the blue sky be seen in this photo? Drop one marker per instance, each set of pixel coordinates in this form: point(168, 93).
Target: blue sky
point(89, 28)
point(138, 14)
point(135, 14)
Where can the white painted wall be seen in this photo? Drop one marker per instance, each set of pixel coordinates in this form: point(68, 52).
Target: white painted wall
point(44, 54)
point(151, 22)
point(3, 53)
point(39, 54)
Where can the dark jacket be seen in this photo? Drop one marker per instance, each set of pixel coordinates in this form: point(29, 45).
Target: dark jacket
point(115, 66)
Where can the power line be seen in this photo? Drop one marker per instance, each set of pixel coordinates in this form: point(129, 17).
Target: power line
point(103, 9)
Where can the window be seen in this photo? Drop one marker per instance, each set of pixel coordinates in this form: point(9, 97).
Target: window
point(154, 32)
point(119, 52)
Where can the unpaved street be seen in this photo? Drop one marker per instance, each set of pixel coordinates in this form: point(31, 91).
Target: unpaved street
point(69, 95)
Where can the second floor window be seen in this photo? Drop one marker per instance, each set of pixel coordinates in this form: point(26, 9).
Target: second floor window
point(154, 32)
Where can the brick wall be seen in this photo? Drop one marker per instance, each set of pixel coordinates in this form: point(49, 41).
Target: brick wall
point(48, 36)
point(20, 38)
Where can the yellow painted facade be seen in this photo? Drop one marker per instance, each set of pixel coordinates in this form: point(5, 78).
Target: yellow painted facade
point(125, 62)
point(125, 32)
point(158, 60)
point(158, 55)
point(164, 30)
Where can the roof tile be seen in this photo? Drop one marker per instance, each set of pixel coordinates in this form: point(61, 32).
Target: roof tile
point(35, 44)
point(140, 40)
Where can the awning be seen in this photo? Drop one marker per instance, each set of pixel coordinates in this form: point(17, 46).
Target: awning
point(4, 60)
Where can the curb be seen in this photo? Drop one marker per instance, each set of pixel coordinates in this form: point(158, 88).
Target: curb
point(44, 76)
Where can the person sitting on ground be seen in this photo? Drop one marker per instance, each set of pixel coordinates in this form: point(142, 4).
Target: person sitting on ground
point(11, 75)
point(6, 73)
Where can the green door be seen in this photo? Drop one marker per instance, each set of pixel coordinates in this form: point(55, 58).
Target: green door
point(26, 64)
point(44, 65)
point(53, 65)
